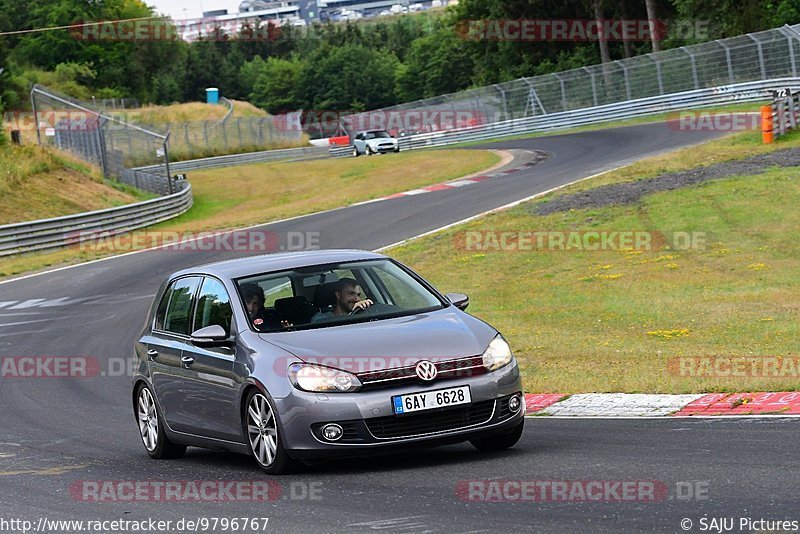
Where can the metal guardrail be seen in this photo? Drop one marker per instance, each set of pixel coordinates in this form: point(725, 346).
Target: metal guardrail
point(712, 96)
point(74, 229)
point(287, 154)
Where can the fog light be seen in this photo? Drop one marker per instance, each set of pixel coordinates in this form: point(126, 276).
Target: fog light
point(514, 403)
point(332, 432)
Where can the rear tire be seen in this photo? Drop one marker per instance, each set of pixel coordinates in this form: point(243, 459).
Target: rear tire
point(499, 442)
point(151, 427)
point(264, 435)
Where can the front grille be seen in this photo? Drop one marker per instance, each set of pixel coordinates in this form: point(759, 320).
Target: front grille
point(428, 423)
point(405, 376)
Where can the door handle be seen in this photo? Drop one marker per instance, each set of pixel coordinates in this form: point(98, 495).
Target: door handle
point(152, 353)
point(187, 360)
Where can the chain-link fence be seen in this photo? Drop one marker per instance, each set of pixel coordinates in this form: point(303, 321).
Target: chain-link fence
point(757, 56)
point(198, 139)
point(103, 140)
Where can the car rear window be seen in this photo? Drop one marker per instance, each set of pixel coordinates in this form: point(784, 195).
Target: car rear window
point(179, 310)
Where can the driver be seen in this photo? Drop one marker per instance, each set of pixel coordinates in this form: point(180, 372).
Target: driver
point(348, 300)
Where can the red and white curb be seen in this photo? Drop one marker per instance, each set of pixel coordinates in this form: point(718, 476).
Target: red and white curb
point(461, 182)
point(656, 405)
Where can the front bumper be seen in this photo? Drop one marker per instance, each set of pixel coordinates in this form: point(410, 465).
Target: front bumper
point(384, 148)
point(370, 425)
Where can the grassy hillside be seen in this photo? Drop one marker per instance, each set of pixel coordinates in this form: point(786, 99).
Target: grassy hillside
point(37, 183)
point(192, 112)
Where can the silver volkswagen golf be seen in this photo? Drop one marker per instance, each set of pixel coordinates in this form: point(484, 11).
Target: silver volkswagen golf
point(295, 356)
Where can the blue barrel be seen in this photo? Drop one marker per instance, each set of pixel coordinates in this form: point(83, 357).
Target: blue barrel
point(212, 95)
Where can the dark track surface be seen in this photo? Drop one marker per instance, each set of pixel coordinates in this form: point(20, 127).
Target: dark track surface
point(54, 432)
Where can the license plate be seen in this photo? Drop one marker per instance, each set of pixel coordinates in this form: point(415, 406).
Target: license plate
point(429, 400)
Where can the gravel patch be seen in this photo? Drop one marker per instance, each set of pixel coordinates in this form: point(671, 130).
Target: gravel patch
point(631, 192)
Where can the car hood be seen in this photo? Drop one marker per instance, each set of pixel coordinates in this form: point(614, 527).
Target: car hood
point(443, 334)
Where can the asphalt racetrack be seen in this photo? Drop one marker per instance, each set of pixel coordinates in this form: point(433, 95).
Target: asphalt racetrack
point(66, 443)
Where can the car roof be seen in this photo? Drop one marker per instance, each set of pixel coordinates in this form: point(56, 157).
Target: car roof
point(281, 261)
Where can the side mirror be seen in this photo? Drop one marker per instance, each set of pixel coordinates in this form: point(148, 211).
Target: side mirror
point(459, 300)
point(210, 335)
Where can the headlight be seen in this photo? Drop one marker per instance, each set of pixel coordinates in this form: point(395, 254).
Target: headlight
point(497, 355)
point(319, 379)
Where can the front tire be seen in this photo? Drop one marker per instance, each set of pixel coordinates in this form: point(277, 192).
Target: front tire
point(499, 442)
point(355, 152)
point(264, 435)
point(151, 427)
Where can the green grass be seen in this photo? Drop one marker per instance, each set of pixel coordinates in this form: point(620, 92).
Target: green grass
point(39, 183)
point(617, 320)
point(247, 195)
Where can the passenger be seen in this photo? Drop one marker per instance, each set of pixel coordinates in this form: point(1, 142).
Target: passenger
point(253, 298)
point(348, 300)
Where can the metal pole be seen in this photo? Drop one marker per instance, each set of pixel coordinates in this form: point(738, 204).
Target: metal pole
point(35, 116)
point(760, 57)
point(505, 103)
point(659, 75)
point(627, 80)
point(728, 59)
point(170, 187)
point(594, 86)
point(103, 154)
point(694, 68)
point(790, 42)
point(563, 91)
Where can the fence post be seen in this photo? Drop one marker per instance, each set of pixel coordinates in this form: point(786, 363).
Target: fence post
point(728, 60)
point(166, 164)
point(659, 75)
point(627, 80)
point(760, 56)
point(594, 86)
point(563, 91)
point(102, 141)
point(694, 68)
point(790, 42)
point(35, 115)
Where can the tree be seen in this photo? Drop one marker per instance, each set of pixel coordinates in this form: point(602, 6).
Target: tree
point(436, 64)
point(651, 17)
point(275, 85)
point(350, 77)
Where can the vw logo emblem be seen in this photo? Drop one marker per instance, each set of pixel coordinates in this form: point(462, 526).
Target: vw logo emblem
point(426, 370)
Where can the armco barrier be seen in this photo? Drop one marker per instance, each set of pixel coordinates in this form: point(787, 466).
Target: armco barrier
point(287, 154)
point(712, 96)
point(62, 231)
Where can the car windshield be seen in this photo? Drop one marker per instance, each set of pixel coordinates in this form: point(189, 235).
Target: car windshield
point(334, 294)
point(378, 135)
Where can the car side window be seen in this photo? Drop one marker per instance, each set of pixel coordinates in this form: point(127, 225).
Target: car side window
point(161, 312)
point(179, 309)
point(213, 306)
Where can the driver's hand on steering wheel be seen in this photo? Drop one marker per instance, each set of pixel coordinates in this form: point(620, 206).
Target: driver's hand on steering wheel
point(361, 305)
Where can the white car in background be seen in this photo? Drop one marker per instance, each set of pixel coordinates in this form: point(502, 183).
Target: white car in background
point(374, 142)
